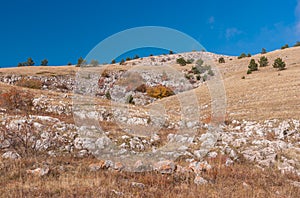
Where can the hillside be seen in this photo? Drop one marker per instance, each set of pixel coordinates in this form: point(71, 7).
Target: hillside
point(49, 140)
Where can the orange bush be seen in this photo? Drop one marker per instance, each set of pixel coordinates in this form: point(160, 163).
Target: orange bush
point(30, 83)
point(159, 91)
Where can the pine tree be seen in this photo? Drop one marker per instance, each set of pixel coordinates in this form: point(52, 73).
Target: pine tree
point(279, 64)
point(263, 61)
point(30, 62)
point(253, 65)
point(44, 62)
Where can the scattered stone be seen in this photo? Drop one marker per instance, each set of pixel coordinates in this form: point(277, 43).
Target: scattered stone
point(165, 167)
point(11, 155)
point(200, 180)
point(138, 185)
point(40, 172)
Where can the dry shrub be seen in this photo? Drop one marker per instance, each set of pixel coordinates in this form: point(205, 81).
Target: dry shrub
point(30, 83)
point(142, 88)
point(159, 91)
point(15, 99)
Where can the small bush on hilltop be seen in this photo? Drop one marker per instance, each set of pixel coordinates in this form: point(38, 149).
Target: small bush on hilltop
point(285, 46)
point(279, 64)
point(263, 51)
point(243, 55)
point(80, 62)
point(297, 44)
point(181, 61)
point(263, 61)
point(44, 62)
point(29, 62)
point(221, 60)
point(159, 91)
point(122, 62)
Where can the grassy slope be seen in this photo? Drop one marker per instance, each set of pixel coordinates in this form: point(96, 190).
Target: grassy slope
point(262, 95)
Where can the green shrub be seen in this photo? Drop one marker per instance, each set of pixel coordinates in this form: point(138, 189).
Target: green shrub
point(181, 61)
point(113, 61)
point(204, 78)
point(199, 62)
point(243, 55)
point(249, 55)
point(80, 62)
point(263, 51)
point(129, 100)
point(44, 62)
point(263, 61)
point(221, 60)
point(122, 62)
point(285, 46)
point(249, 71)
point(107, 95)
point(171, 52)
point(69, 63)
point(253, 65)
point(30, 62)
point(243, 77)
point(136, 57)
point(297, 44)
point(128, 59)
point(279, 64)
point(190, 61)
point(210, 72)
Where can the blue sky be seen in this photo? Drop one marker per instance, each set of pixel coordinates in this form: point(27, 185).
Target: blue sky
point(64, 30)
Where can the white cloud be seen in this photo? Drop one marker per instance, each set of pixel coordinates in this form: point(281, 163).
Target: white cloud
point(231, 32)
point(211, 20)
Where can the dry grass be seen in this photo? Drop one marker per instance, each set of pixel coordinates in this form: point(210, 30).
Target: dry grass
point(71, 177)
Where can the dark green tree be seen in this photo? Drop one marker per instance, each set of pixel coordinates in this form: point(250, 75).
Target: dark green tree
point(243, 55)
point(279, 64)
point(122, 62)
point(221, 60)
point(44, 62)
point(263, 51)
point(30, 62)
point(136, 57)
point(285, 46)
point(253, 65)
point(113, 61)
point(171, 52)
point(80, 62)
point(297, 44)
point(181, 61)
point(263, 61)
